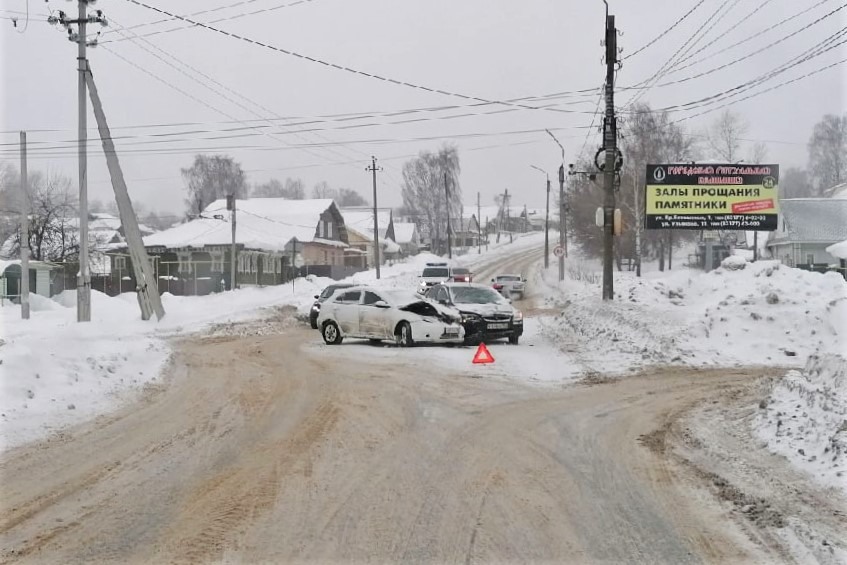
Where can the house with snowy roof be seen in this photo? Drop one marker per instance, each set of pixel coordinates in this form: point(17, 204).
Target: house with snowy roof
point(360, 230)
point(275, 240)
point(406, 236)
point(807, 228)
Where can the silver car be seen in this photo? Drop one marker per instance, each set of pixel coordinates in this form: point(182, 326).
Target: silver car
point(509, 285)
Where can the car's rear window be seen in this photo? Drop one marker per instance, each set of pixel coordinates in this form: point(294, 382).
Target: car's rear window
point(461, 271)
point(475, 295)
point(508, 278)
point(435, 272)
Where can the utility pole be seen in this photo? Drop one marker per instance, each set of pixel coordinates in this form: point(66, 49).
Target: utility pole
point(373, 168)
point(547, 228)
point(233, 274)
point(24, 286)
point(562, 241)
point(478, 225)
point(449, 230)
point(610, 147)
point(83, 301)
point(525, 219)
point(546, 220)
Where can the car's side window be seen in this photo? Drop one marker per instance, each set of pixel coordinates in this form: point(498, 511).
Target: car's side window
point(349, 297)
point(371, 298)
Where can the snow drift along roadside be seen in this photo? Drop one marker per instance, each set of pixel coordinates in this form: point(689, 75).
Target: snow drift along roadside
point(804, 419)
point(742, 313)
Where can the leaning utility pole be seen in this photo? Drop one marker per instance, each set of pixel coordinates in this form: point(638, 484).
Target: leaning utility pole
point(373, 168)
point(449, 231)
point(24, 286)
point(83, 299)
point(610, 147)
point(146, 284)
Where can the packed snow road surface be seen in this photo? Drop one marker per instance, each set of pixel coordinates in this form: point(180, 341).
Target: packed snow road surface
point(258, 449)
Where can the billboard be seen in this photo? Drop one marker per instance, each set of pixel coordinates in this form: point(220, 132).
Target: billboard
point(712, 197)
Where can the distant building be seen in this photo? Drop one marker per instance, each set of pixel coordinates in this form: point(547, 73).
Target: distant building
point(406, 236)
point(276, 239)
point(807, 227)
point(360, 225)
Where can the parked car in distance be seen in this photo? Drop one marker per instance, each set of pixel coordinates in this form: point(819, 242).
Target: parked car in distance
point(461, 274)
point(509, 285)
point(320, 299)
point(432, 274)
point(400, 316)
point(486, 314)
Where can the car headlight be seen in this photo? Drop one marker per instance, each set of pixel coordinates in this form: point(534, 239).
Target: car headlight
point(518, 317)
point(470, 318)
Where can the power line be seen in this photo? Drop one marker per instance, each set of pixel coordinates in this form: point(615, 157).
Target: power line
point(664, 33)
point(696, 37)
point(750, 37)
point(749, 55)
point(337, 66)
point(227, 18)
point(221, 85)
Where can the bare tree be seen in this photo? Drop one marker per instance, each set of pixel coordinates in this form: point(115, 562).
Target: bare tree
point(725, 135)
point(795, 183)
point(828, 153)
point(424, 192)
point(292, 189)
point(323, 190)
point(53, 223)
point(759, 153)
point(349, 197)
point(211, 178)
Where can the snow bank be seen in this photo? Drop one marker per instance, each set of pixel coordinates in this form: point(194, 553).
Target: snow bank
point(763, 314)
point(805, 419)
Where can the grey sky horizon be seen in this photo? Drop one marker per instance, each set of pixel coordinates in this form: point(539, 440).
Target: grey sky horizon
point(476, 49)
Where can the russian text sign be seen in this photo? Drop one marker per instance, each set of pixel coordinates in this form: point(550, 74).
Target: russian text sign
point(712, 197)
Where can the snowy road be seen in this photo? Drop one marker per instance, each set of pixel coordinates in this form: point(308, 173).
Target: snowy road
point(276, 448)
point(262, 450)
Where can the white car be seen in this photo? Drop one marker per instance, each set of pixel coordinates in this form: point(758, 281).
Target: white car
point(399, 316)
point(433, 273)
point(509, 285)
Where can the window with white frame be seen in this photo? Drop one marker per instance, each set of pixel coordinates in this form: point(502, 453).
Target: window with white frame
point(184, 259)
point(120, 263)
point(254, 261)
point(810, 258)
point(217, 261)
point(329, 230)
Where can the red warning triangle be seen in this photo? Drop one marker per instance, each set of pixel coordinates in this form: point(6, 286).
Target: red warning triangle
point(482, 355)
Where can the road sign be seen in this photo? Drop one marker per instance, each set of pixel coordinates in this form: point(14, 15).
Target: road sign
point(559, 251)
point(482, 356)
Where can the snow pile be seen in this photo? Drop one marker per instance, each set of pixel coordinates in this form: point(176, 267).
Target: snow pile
point(734, 263)
point(763, 314)
point(805, 419)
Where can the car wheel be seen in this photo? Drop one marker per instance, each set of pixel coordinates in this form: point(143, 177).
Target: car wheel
point(513, 339)
point(331, 333)
point(404, 335)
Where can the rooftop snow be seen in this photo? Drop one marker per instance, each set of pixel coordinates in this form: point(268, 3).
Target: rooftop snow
point(262, 223)
point(404, 232)
point(822, 220)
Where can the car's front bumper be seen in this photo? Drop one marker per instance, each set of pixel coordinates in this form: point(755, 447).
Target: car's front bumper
point(479, 329)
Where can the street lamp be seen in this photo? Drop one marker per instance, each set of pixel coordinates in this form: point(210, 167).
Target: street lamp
point(546, 220)
point(563, 241)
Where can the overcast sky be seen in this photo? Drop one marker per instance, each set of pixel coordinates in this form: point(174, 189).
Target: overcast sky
point(474, 49)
